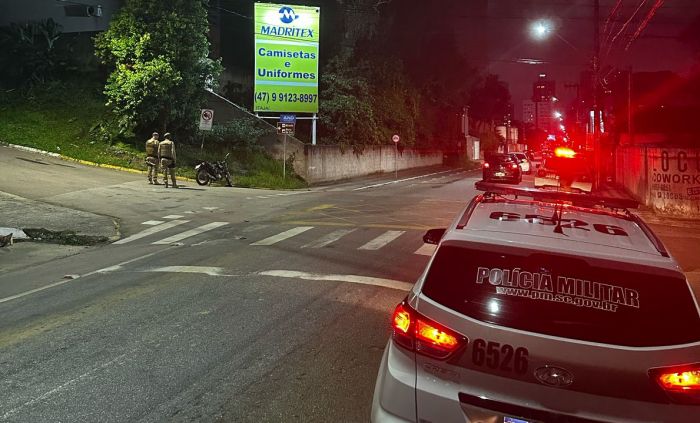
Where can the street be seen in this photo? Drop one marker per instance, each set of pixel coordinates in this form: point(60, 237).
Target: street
point(217, 303)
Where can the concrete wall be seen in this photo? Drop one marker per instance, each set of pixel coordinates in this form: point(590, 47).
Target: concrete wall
point(330, 163)
point(325, 163)
point(666, 179)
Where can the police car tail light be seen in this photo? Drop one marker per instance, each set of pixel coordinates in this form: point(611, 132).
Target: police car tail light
point(514, 166)
point(486, 165)
point(681, 383)
point(422, 335)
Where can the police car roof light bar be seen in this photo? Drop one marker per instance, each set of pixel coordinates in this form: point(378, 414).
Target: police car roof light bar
point(585, 200)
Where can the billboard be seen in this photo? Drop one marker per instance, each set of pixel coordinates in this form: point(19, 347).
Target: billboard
point(286, 58)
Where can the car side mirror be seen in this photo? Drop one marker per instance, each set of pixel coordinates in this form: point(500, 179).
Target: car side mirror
point(433, 236)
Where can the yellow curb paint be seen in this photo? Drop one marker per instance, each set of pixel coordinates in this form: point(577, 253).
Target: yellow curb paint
point(114, 167)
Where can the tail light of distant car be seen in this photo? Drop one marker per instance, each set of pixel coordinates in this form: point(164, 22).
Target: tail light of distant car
point(486, 165)
point(514, 166)
point(417, 333)
point(680, 383)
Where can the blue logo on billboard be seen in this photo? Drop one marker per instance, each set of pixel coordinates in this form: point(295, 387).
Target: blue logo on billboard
point(287, 15)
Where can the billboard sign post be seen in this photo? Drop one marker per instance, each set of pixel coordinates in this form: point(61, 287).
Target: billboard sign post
point(286, 58)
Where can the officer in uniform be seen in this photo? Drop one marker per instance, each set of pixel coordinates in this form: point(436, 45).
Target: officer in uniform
point(152, 159)
point(166, 153)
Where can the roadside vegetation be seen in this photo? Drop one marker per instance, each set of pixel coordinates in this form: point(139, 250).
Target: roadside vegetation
point(69, 118)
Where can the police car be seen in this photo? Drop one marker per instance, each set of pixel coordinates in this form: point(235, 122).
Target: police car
point(544, 307)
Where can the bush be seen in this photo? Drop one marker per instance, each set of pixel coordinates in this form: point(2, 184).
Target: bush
point(28, 53)
point(243, 133)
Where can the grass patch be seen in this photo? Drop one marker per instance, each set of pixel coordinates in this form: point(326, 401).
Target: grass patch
point(60, 118)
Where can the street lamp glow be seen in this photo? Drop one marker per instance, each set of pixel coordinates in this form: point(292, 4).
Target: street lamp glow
point(562, 127)
point(557, 115)
point(541, 29)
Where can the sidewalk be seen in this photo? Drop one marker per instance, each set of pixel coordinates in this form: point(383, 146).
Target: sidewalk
point(680, 236)
point(47, 222)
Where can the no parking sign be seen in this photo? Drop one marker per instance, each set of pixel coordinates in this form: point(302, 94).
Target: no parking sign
point(206, 118)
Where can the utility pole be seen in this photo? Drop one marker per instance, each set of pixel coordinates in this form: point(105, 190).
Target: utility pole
point(597, 113)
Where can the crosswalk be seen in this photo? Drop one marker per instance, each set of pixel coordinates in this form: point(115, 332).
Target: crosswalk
point(174, 230)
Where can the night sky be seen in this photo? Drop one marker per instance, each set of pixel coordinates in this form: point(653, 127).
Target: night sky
point(505, 33)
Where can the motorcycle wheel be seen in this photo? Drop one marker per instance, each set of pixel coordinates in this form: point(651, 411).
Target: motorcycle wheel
point(202, 177)
point(228, 181)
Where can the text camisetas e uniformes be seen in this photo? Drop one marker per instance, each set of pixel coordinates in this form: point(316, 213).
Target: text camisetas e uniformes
point(286, 54)
point(279, 73)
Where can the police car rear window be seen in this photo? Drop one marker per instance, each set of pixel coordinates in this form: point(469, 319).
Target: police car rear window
point(564, 296)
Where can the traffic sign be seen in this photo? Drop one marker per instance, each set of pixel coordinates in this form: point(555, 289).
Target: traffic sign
point(288, 118)
point(285, 128)
point(206, 119)
point(395, 138)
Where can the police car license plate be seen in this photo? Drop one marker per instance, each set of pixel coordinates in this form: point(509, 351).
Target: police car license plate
point(500, 174)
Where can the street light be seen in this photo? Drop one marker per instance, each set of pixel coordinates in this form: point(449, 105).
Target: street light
point(557, 115)
point(541, 29)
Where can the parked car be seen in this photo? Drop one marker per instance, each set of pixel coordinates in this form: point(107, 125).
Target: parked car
point(543, 306)
point(523, 161)
point(501, 167)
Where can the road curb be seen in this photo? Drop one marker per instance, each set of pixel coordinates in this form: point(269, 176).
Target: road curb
point(82, 162)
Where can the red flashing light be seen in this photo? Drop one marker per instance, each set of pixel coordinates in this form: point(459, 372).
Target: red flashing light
point(681, 383)
point(422, 335)
point(564, 152)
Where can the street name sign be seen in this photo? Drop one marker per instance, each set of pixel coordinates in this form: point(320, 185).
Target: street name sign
point(288, 118)
point(285, 128)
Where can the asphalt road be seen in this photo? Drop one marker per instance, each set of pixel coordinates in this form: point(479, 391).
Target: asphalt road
point(218, 304)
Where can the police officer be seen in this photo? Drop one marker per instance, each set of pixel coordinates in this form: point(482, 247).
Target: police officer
point(166, 153)
point(152, 159)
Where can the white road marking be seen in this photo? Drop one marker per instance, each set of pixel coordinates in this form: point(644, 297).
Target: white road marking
point(263, 196)
point(329, 239)
point(364, 280)
point(210, 208)
point(426, 250)
point(152, 222)
point(401, 180)
point(382, 240)
point(64, 281)
point(207, 270)
point(173, 216)
point(190, 233)
point(151, 231)
point(63, 386)
point(282, 236)
point(23, 294)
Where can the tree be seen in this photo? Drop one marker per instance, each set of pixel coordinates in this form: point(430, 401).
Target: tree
point(158, 50)
point(490, 103)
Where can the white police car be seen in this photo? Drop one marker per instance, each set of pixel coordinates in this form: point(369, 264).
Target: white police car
point(544, 307)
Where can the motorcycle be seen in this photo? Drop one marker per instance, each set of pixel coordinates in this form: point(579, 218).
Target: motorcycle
point(215, 171)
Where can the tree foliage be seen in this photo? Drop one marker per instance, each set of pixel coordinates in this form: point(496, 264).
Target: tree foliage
point(158, 52)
